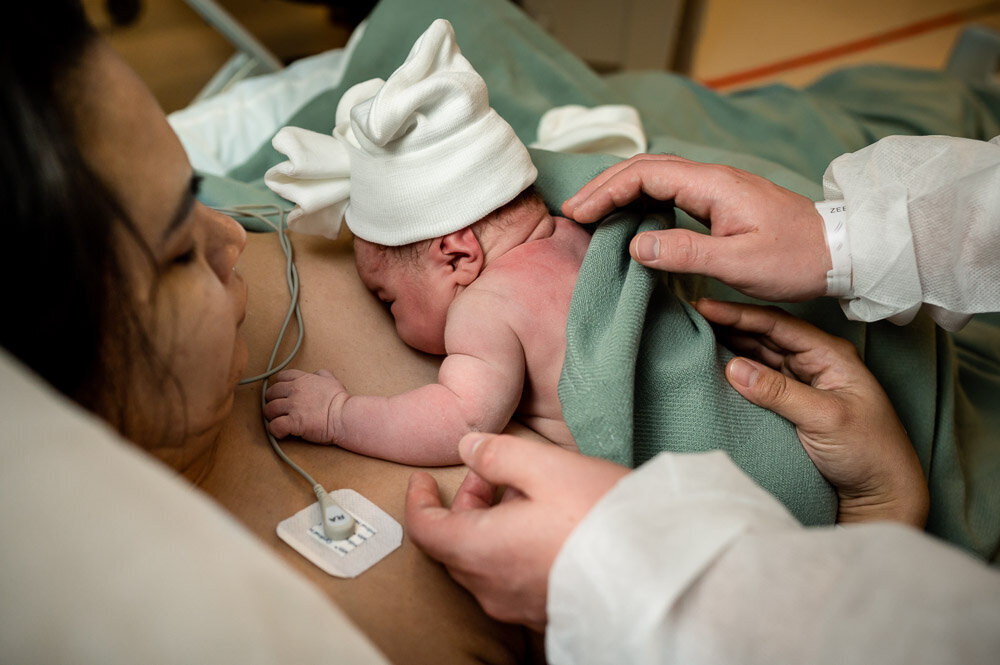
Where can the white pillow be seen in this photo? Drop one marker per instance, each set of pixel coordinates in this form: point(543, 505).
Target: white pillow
point(108, 557)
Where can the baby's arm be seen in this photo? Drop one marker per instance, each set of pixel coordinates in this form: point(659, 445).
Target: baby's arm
point(479, 387)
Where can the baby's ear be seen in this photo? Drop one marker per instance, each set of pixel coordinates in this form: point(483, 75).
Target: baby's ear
point(459, 255)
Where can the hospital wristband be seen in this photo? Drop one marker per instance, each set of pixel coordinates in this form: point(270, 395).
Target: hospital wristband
point(838, 279)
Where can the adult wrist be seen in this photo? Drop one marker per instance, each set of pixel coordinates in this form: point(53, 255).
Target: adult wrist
point(839, 277)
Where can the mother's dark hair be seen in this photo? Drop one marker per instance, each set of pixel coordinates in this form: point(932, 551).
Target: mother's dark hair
point(62, 271)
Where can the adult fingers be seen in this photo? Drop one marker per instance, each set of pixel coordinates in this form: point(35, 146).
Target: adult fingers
point(428, 522)
point(786, 396)
point(460, 539)
point(735, 259)
point(684, 251)
point(658, 176)
point(513, 461)
point(570, 204)
point(751, 346)
point(473, 493)
point(595, 183)
point(816, 357)
point(780, 327)
point(422, 493)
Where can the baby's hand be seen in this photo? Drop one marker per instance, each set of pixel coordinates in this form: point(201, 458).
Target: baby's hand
point(305, 405)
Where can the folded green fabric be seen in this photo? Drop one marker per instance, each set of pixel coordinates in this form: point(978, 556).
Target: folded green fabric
point(643, 374)
point(943, 386)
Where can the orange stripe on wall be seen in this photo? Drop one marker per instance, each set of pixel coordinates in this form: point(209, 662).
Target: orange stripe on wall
point(920, 27)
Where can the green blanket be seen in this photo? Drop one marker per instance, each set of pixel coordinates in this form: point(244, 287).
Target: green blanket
point(643, 374)
point(643, 371)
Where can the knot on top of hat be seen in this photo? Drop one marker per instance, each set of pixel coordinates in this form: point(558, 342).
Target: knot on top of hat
point(317, 174)
point(417, 156)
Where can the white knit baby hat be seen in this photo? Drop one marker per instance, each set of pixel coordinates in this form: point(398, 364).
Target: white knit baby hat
point(415, 157)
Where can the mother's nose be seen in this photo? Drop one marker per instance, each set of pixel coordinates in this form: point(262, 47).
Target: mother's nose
point(228, 239)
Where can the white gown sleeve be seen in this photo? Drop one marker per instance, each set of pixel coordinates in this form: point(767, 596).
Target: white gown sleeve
point(923, 222)
point(686, 560)
point(110, 558)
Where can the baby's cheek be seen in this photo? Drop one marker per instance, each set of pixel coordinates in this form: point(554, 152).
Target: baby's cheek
point(421, 338)
point(409, 335)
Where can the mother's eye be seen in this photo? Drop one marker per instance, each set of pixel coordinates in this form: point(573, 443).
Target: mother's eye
point(185, 257)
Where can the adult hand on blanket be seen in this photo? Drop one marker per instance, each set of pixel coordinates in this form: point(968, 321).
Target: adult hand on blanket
point(843, 417)
point(303, 404)
point(503, 552)
point(766, 241)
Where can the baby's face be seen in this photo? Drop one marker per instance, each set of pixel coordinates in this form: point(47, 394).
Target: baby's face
point(418, 302)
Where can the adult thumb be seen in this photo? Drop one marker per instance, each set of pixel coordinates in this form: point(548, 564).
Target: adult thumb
point(774, 391)
point(509, 460)
point(676, 250)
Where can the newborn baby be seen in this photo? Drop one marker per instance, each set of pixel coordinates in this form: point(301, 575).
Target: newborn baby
point(451, 236)
point(493, 297)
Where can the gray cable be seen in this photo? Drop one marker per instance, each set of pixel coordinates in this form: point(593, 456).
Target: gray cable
point(261, 214)
point(338, 524)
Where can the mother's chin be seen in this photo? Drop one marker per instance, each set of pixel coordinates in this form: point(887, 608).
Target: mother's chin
point(191, 449)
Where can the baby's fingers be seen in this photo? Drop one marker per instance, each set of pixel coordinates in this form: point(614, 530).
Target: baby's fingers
point(278, 390)
point(281, 426)
point(274, 407)
point(286, 375)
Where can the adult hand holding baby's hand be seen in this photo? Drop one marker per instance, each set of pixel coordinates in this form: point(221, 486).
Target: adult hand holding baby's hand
point(841, 414)
point(503, 553)
point(303, 404)
point(766, 241)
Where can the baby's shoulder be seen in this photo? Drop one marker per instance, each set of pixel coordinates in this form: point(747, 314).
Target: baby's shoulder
point(489, 301)
point(491, 285)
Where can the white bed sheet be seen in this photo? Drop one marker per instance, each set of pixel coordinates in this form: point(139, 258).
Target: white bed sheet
point(223, 131)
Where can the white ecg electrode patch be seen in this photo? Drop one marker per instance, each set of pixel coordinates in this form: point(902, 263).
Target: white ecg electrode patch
point(377, 534)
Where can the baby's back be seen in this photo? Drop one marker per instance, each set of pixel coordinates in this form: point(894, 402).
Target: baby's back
point(537, 280)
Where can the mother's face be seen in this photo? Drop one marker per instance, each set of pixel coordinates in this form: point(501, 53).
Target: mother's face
point(188, 298)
